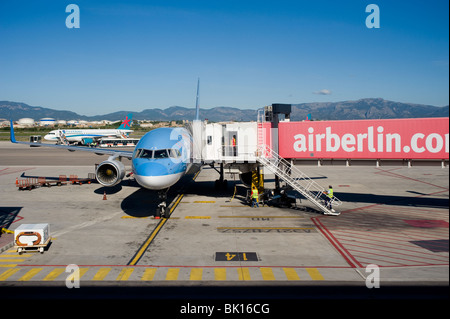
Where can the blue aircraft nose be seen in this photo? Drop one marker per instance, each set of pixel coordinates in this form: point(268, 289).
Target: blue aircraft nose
point(149, 168)
point(154, 176)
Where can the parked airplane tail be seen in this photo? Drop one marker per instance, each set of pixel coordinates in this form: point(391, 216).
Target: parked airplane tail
point(126, 123)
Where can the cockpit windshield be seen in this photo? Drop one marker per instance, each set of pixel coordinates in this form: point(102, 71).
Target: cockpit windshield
point(174, 153)
point(156, 154)
point(160, 154)
point(142, 153)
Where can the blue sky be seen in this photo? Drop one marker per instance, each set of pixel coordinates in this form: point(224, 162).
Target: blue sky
point(133, 55)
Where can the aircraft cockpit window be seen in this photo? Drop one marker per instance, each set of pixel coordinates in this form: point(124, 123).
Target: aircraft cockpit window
point(146, 154)
point(136, 153)
point(156, 154)
point(142, 153)
point(174, 153)
point(161, 154)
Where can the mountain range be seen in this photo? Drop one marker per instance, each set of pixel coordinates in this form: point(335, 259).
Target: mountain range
point(369, 108)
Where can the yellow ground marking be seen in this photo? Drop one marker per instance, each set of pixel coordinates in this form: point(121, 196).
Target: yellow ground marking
point(8, 273)
point(147, 243)
point(265, 228)
point(314, 273)
point(233, 206)
point(176, 204)
point(101, 273)
point(291, 274)
point(81, 274)
point(220, 274)
point(197, 217)
point(196, 274)
point(243, 273)
point(125, 274)
point(195, 176)
point(11, 260)
point(149, 274)
point(172, 274)
point(267, 274)
point(261, 217)
point(54, 274)
point(134, 217)
point(30, 274)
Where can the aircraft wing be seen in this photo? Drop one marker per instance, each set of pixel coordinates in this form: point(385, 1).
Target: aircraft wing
point(126, 154)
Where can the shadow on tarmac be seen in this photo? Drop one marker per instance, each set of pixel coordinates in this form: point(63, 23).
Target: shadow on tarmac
point(8, 215)
point(419, 201)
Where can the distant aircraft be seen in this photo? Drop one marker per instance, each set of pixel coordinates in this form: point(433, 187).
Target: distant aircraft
point(71, 136)
point(160, 159)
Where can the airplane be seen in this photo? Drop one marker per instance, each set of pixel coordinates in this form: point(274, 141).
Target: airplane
point(159, 160)
point(72, 136)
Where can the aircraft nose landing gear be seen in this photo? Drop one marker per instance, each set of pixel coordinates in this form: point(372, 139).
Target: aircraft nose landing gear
point(161, 210)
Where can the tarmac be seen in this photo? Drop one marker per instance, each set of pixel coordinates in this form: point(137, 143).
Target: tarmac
point(393, 232)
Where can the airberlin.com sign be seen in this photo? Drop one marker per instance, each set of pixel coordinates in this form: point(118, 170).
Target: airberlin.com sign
point(366, 139)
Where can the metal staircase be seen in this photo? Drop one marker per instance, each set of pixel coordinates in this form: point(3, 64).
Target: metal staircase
point(260, 121)
point(296, 179)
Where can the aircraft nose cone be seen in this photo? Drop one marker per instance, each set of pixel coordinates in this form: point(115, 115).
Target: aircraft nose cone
point(149, 169)
point(154, 175)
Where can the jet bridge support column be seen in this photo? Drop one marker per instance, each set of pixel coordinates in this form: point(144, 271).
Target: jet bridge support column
point(258, 179)
point(221, 183)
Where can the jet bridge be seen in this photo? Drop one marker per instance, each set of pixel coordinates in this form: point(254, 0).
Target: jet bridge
point(231, 145)
point(245, 147)
point(238, 142)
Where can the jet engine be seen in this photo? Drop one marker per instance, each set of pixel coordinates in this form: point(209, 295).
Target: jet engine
point(110, 172)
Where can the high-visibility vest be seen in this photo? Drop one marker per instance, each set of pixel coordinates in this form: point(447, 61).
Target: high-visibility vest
point(255, 193)
point(330, 193)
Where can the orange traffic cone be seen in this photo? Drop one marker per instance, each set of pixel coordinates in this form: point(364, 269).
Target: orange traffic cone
point(104, 195)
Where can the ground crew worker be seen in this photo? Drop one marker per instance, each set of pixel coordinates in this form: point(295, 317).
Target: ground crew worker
point(255, 196)
point(233, 143)
point(329, 197)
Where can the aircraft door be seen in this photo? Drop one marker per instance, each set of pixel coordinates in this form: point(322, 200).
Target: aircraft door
point(230, 143)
